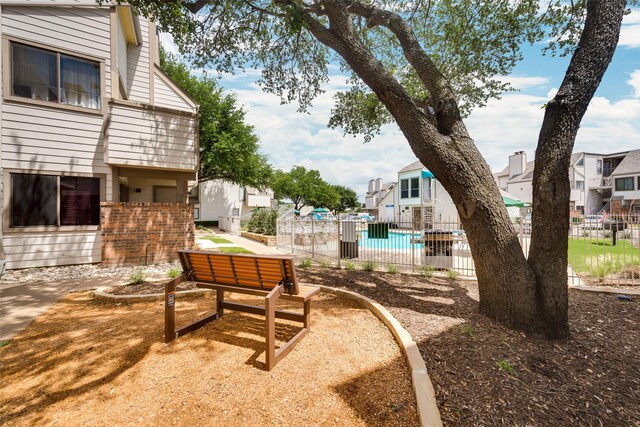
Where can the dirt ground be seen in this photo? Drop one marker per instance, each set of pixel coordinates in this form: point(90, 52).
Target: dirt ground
point(485, 374)
point(87, 362)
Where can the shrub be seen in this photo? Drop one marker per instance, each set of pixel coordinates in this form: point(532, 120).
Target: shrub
point(601, 270)
point(368, 266)
point(427, 270)
point(392, 268)
point(586, 233)
point(174, 272)
point(467, 330)
point(325, 263)
point(349, 265)
point(305, 263)
point(504, 365)
point(626, 234)
point(452, 274)
point(263, 221)
point(137, 277)
point(606, 234)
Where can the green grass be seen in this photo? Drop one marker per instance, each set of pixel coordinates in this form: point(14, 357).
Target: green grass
point(174, 272)
point(587, 254)
point(234, 250)
point(368, 266)
point(137, 277)
point(215, 239)
point(392, 268)
point(3, 343)
point(504, 365)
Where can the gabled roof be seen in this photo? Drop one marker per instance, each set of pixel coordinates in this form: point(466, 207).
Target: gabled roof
point(504, 172)
point(630, 164)
point(527, 175)
point(384, 188)
point(417, 165)
point(575, 157)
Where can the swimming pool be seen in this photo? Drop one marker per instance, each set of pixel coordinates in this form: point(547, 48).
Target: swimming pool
point(395, 241)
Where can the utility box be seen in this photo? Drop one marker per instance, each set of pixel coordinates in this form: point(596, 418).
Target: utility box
point(438, 249)
point(348, 240)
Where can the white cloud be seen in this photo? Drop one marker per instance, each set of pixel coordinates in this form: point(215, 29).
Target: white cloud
point(630, 31)
point(166, 40)
point(634, 82)
point(524, 82)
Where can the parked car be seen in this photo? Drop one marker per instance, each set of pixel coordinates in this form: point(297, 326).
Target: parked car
point(614, 224)
point(593, 221)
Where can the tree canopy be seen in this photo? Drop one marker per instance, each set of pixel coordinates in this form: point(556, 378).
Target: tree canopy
point(229, 148)
point(424, 65)
point(304, 188)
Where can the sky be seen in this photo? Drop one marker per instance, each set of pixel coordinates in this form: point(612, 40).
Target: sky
point(503, 126)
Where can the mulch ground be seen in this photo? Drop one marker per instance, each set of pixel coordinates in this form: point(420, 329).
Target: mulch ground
point(147, 288)
point(486, 374)
point(90, 362)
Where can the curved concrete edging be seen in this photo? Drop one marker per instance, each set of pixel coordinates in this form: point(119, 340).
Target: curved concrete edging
point(101, 294)
point(425, 395)
point(605, 290)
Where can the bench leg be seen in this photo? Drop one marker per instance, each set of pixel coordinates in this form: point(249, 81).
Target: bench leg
point(307, 314)
point(270, 325)
point(220, 302)
point(170, 308)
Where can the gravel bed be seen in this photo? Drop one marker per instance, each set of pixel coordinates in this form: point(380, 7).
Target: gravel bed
point(82, 271)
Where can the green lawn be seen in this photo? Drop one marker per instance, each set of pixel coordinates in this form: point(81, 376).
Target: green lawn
point(215, 239)
point(234, 250)
point(585, 255)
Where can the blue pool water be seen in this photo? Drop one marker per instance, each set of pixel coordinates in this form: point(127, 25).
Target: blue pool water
point(395, 241)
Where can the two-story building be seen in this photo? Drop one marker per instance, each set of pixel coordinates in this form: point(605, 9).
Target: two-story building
point(422, 200)
point(592, 177)
point(87, 117)
point(376, 193)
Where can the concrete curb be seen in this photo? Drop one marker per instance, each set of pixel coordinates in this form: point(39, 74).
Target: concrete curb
point(100, 293)
point(605, 290)
point(425, 395)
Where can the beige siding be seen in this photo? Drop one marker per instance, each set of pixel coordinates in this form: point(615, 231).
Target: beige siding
point(165, 96)
point(148, 138)
point(138, 79)
point(51, 248)
point(121, 52)
point(82, 30)
point(48, 139)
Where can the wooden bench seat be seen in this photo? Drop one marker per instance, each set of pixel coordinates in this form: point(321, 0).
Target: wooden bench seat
point(270, 276)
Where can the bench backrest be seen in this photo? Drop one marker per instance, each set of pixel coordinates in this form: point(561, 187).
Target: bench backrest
point(253, 271)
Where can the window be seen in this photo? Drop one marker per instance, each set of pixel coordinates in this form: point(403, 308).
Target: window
point(624, 184)
point(54, 77)
point(599, 167)
point(579, 185)
point(404, 189)
point(415, 187)
point(409, 187)
point(34, 200)
point(580, 162)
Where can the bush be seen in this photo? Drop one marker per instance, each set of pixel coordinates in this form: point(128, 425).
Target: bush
point(368, 266)
point(452, 274)
point(325, 263)
point(305, 263)
point(174, 272)
point(392, 268)
point(626, 234)
point(137, 277)
point(263, 221)
point(349, 265)
point(606, 234)
point(427, 270)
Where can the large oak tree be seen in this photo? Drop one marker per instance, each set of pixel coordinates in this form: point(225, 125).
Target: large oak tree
point(424, 64)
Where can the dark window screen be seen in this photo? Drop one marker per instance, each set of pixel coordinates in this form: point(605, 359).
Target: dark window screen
point(34, 200)
point(79, 201)
point(415, 187)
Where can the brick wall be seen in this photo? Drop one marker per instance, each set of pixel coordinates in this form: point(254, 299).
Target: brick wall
point(145, 233)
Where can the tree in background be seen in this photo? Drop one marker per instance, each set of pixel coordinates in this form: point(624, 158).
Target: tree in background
point(348, 199)
point(229, 148)
point(423, 65)
point(304, 188)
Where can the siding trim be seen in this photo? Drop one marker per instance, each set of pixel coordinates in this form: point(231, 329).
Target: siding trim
point(165, 78)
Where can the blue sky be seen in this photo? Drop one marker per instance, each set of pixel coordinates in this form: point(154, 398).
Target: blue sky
point(512, 123)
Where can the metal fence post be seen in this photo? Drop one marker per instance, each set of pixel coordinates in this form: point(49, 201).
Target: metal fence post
point(413, 246)
point(292, 237)
point(313, 239)
point(338, 241)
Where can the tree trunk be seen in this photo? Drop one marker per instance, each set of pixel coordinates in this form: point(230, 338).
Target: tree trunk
point(551, 187)
point(528, 295)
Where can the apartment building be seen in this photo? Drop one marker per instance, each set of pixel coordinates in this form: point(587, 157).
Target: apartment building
point(87, 117)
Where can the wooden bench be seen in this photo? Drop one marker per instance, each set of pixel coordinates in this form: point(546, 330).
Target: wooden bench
point(271, 276)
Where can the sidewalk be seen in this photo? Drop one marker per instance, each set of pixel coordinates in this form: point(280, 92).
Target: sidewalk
point(253, 246)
